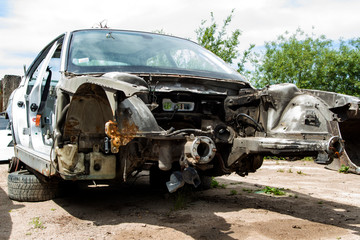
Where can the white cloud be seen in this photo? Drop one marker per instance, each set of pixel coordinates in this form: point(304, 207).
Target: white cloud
point(32, 24)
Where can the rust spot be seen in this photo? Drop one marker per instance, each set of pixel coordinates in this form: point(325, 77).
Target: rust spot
point(45, 172)
point(120, 137)
point(336, 153)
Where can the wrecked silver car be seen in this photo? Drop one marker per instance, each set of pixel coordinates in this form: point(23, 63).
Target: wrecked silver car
point(104, 104)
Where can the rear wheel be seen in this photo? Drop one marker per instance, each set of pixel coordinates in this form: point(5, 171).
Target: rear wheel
point(24, 186)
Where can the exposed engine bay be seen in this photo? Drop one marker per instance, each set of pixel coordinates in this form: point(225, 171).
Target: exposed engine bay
point(191, 130)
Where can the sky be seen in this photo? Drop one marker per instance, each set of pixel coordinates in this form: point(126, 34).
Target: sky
point(28, 26)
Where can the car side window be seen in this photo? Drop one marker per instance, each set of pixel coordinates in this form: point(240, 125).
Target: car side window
point(54, 66)
point(33, 78)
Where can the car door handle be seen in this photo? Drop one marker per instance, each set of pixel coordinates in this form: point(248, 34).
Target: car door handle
point(20, 104)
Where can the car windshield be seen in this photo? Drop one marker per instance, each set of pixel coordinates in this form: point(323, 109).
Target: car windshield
point(104, 50)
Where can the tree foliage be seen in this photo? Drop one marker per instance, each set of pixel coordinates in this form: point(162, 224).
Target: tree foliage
point(310, 62)
point(218, 41)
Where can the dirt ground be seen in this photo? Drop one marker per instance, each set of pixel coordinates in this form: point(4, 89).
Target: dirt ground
point(318, 204)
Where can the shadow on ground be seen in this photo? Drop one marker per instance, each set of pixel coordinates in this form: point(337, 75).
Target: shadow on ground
point(6, 206)
point(139, 203)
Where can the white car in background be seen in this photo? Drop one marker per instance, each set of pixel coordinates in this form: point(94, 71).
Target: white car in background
point(6, 145)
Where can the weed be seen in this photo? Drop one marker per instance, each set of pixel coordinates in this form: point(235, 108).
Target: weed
point(296, 196)
point(216, 184)
point(53, 209)
point(274, 191)
point(320, 202)
point(289, 171)
point(280, 170)
point(300, 172)
point(180, 202)
point(308, 159)
point(233, 192)
point(181, 199)
point(344, 169)
point(37, 223)
point(247, 190)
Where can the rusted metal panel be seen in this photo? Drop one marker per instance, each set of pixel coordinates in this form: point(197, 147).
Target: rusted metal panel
point(120, 137)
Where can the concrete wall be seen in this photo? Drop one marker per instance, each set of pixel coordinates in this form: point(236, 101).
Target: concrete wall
point(8, 84)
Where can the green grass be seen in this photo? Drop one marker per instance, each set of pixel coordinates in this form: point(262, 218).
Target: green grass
point(280, 170)
point(216, 184)
point(233, 192)
point(181, 198)
point(273, 190)
point(344, 169)
point(247, 190)
point(300, 173)
point(37, 223)
point(180, 202)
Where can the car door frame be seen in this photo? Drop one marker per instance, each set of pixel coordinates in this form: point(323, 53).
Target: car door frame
point(20, 104)
point(35, 98)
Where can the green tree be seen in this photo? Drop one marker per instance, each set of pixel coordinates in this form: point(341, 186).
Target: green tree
point(306, 60)
point(220, 43)
point(310, 62)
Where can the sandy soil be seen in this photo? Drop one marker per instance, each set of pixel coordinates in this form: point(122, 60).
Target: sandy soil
point(319, 204)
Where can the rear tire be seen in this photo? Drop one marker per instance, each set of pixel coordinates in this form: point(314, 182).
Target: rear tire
point(24, 186)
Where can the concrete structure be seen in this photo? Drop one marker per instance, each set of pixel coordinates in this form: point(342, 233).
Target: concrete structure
point(8, 84)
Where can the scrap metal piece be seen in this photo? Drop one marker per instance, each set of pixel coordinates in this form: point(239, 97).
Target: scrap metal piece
point(178, 179)
point(191, 176)
point(176, 182)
